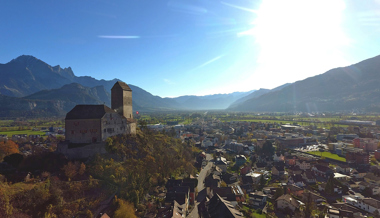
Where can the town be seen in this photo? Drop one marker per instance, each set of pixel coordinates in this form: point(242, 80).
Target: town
point(268, 168)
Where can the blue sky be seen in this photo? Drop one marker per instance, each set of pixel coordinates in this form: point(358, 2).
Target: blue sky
point(192, 47)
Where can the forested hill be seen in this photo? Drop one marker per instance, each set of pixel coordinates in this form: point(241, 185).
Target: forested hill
point(352, 88)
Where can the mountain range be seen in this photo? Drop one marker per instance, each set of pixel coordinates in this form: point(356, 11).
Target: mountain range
point(31, 87)
point(351, 88)
point(27, 80)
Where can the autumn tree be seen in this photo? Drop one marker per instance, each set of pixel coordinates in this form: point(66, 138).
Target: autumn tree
point(73, 169)
point(124, 209)
point(7, 148)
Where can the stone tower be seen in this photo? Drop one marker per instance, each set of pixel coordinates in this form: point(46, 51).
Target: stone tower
point(121, 99)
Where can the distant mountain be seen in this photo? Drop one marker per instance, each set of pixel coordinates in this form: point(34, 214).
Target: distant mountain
point(352, 88)
point(27, 75)
point(20, 107)
point(210, 102)
point(257, 94)
point(54, 102)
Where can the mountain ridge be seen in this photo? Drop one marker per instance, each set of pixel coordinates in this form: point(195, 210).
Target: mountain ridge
point(355, 87)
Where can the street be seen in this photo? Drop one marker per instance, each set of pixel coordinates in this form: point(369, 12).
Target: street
point(200, 187)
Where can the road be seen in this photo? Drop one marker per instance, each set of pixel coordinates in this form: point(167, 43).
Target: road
point(201, 187)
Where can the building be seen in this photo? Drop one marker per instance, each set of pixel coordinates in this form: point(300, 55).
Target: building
point(91, 125)
point(240, 160)
point(257, 198)
point(95, 123)
point(357, 157)
point(367, 144)
point(218, 207)
point(287, 201)
point(340, 137)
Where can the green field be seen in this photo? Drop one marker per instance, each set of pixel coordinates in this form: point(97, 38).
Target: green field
point(328, 155)
point(28, 132)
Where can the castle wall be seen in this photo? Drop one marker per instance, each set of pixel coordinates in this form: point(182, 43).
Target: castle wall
point(81, 152)
point(83, 130)
point(113, 124)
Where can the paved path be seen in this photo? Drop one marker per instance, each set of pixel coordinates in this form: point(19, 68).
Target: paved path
point(201, 187)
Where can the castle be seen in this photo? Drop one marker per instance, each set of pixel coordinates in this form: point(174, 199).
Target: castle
point(88, 126)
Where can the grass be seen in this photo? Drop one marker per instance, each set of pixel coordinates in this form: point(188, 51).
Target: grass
point(328, 155)
point(254, 213)
point(17, 132)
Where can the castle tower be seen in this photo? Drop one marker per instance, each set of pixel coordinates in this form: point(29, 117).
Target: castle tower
point(121, 99)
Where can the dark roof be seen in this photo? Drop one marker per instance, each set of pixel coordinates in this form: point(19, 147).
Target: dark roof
point(294, 188)
point(122, 85)
point(82, 111)
point(173, 183)
point(322, 168)
point(218, 207)
point(180, 197)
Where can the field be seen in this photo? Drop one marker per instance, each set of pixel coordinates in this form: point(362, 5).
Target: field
point(328, 155)
point(17, 132)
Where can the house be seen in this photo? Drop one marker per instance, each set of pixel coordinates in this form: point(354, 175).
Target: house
point(229, 178)
point(212, 180)
point(347, 207)
point(207, 142)
point(278, 170)
point(338, 213)
point(221, 162)
point(308, 177)
point(359, 173)
point(290, 160)
point(218, 207)
point(180, 197)
point(321, 170)
point(233, 194)
point(251, 178)
point(294, 170)
point(337, 189)
point(260, 165)
point(372, 178)
point(343, 168)
point(369, 204)
point(240, 160)
point(245, 170)
point(257, 198)
point(295, 190)
point(316, 198)
point(278, 157)
point(341, 177)
point(297, 180)
point(375, 188)
point(192, 184)
point(179, 210)
point(304, 165)
point(287, 201)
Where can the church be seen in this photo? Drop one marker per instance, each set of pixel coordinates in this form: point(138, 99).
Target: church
point(88, 126)
point(95, 123)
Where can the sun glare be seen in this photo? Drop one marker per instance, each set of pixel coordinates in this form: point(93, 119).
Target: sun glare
point(297, 37)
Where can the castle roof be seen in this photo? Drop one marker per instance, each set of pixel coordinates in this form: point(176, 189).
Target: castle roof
point(82, 111)
point(123, 85)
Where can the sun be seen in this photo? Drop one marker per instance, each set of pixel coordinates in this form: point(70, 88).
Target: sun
point(298, 38)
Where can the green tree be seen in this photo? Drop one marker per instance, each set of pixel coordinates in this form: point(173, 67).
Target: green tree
point(279, 192)
point(309, 204)
point(262, 181)
point(329, 189)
